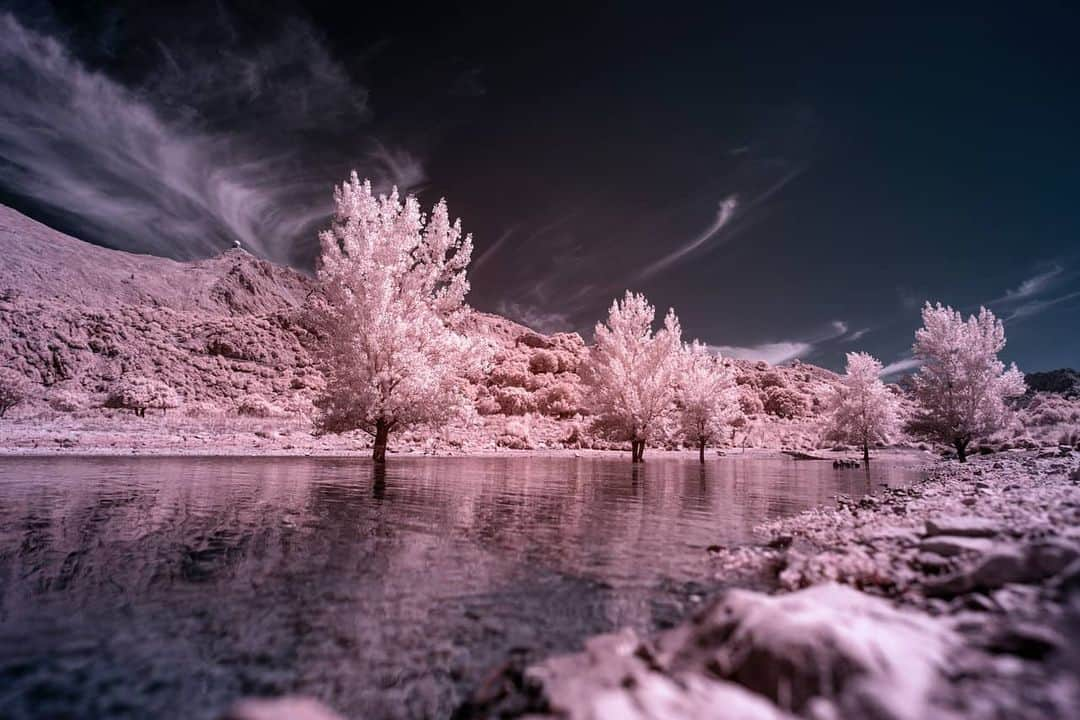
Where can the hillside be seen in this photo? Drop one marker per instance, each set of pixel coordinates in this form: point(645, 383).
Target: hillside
point(227, 335)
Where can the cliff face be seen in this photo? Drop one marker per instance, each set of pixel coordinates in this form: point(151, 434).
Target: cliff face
point(226, 334)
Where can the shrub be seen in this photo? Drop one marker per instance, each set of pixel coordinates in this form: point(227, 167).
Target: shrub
point(543, 361)
point(511, 374)
point(784, 402)
point(516, 436)
point(140, 394)
point(487, 405)
point(256, 406)
point(769, 379)
point(14, 389)
point(561, 399)
point(514, 400)
point(65, 401)
point(749, 401)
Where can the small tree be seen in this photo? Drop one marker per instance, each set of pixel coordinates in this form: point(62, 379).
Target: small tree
point(961, 386)
point(391, 288)
point(14, 389)
point(862, 410)
point(707, 398)
point(632, 371)
point(140, 394)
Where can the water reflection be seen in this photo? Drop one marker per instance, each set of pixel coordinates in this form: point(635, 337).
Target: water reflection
point(167, 587)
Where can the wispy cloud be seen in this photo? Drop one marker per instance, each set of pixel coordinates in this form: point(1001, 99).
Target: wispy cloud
point(156, 168)
point(1029, 297)
point(781, 351)
point(857, 335)
point(773, 353)
point(535, 317)
point(900, 366)
point(1034, 285)
point(725, 212)
point(1037, 306)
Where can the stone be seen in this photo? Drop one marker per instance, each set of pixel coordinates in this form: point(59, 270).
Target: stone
point(1026, 640)
point(965, 526)
point(828, 642)
point(1051, 556)
point(616, 677)
point(951, 546)
point(285, 708)
point(997, 568)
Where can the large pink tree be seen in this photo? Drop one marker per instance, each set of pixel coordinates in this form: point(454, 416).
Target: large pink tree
point(392, 286)
point(632, 371)
point(961, 386)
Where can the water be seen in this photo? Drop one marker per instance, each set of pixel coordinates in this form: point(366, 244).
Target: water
point(168, 587)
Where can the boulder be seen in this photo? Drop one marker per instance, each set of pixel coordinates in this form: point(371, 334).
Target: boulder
point(951, 546)
point(285, 708)
point(964, 526)
point(616, 678)
point(828, 648)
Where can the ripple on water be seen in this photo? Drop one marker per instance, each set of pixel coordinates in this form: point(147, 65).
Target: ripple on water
point(168, 587)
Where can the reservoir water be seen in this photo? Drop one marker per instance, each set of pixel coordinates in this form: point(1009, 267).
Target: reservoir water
point(168, 587)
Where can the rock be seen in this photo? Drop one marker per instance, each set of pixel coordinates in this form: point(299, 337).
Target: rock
point(1051, 556)
point(825, 642)
point(999, 567)
point(1025, 640)
point(1068, 580)
point(951, 546)
point(781, 542)
point(931, 562)
point(965, 526)
point(285, 708)
point(616, 677)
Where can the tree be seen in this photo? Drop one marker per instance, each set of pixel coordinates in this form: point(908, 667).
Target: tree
point(392, 287)
point(862, 410)
point(14, 389)
point(632, 371)
point(961, 386)
point(138, 394)
point(707, 397)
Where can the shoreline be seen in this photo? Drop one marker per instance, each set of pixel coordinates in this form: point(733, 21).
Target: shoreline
point(963, 590)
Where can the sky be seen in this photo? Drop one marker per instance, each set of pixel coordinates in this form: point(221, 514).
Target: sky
point(795, 181)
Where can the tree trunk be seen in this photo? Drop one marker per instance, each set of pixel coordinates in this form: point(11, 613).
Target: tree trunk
point(641, 451)
point(866, 453)
point(961, 449)
point(701, 450)
point(382, 433)
point(637, 451)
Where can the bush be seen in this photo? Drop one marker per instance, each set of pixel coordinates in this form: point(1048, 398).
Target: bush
point(510, 374)
point(749, 401)
point(543, 361)
point(66, 401)
point(784, 402)
point(487, 405)
point(14, 389)
point(514, 400)
point(256, 406)
point(516, 436)
point(560, 399)
point(770, 379)
point(140, 394)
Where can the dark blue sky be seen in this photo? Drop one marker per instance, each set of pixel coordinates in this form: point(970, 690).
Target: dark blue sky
point(793, 180)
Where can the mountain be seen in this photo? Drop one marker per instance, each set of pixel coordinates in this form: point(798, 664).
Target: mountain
point(1064, 381)
point(226, 333)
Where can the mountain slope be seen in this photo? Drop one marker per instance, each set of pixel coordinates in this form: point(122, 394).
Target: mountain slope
point(226, 334)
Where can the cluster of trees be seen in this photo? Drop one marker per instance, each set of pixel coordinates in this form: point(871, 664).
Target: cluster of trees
point(391, 297)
